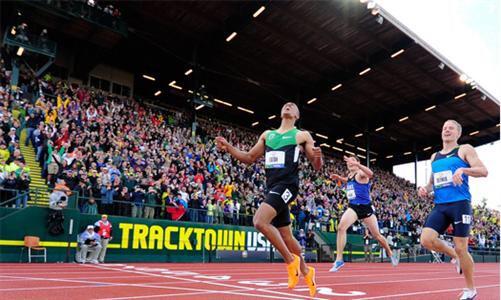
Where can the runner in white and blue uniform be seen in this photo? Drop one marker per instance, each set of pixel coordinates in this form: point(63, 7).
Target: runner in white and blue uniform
point(449, 181)
point(358, 189)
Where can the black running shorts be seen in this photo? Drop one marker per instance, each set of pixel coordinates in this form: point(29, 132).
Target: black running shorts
point(363, 210)
point(279, 197)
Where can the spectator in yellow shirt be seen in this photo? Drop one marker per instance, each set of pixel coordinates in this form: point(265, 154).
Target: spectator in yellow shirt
point(61, 103)
point(51, 116)
point(228, 190)
point(4, 152)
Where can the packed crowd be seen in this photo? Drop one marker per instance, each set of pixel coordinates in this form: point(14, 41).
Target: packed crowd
point(122, 157)
point(485, 233)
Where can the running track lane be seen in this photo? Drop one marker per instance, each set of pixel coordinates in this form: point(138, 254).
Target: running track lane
point(237, 281)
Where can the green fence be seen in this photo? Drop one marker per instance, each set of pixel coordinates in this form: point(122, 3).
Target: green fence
point(154, 240)
point(134, 239)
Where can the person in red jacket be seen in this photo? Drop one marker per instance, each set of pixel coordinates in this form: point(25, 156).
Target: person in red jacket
point(104, 230)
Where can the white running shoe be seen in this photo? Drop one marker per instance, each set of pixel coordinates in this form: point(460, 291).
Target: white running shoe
point(468, 294)
point(394, 259)
point(457, 265)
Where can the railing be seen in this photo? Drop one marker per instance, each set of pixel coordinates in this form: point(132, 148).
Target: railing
point(80, 9)
point(31, 42)
point(36, 196)
point(15, 197)
point(412, 252)
point(161, 211)
point(409, 250)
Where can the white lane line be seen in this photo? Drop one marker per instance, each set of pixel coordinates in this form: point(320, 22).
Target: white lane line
point(48, 273)
point(82, 278)
point(236, 292)
point(161, 295)
point(329, 276)
point(95, 284)
point(208, 282)
point(383, 282)
point(426, 292)
point(51, 288)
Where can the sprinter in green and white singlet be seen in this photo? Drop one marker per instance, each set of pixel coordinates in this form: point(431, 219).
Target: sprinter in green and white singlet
point(281, 149)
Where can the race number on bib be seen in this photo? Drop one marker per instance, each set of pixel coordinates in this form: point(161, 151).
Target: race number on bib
point(442, 179)
point(466, 219)
point(286, 195)
point(275, 159)
point(350, 192)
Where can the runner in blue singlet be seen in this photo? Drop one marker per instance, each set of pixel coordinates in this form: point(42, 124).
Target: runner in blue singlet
point(449, 181)
point(360, 208)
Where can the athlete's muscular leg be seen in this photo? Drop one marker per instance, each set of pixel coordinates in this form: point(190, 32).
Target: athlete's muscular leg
point(371, 223)
point(461, 248)
point(349, 217)
point(262, 222)
point(293, 245)
point(431, 241)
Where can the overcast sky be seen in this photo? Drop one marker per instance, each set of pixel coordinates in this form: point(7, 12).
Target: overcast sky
point(468, 33)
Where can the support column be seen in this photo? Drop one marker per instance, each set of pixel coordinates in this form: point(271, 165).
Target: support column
point(367, 149)
point(414, 149)
point(300, 107)
point(196, 89)
point(14, 77)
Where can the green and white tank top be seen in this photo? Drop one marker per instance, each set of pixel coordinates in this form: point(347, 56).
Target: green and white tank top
point(282, 158)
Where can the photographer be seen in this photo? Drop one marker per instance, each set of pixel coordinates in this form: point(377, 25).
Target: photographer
point(91, 242)
point(58, 200)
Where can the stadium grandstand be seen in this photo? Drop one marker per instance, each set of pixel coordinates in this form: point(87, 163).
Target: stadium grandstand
point(113, 107)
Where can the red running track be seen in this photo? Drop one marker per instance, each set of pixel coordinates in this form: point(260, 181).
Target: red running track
point(238, 281)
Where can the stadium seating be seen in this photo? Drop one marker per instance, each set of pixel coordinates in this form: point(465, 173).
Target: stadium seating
point(132, 159)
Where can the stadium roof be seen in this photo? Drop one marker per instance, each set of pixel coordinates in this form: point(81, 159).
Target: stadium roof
point(356, 76)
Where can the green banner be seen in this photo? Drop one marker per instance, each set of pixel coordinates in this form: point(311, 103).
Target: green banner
point(133, 239)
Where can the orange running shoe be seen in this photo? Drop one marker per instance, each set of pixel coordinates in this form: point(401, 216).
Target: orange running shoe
point(293, 270)
point(310, 281)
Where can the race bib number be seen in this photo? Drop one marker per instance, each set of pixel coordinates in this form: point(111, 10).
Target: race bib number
point(286, 195)
point(275, 159)
point(466, 219)
point(442, 179)
point(350, 192)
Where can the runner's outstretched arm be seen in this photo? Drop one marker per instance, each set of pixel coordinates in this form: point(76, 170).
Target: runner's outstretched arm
point(247, 157)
